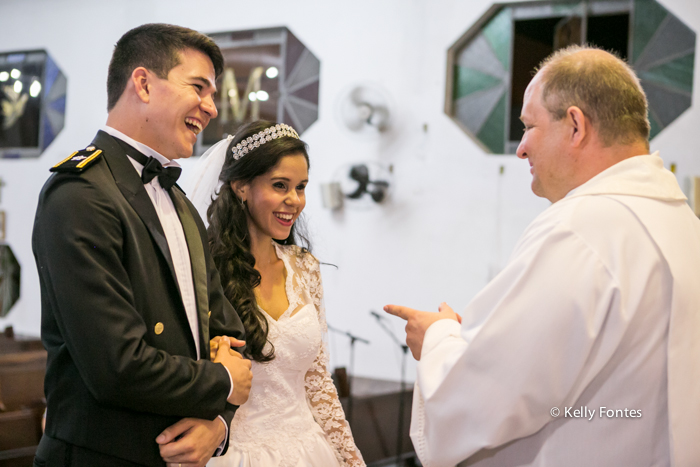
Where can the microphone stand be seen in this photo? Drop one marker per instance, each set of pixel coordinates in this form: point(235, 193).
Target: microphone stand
point(404, 349)
point(353, 339)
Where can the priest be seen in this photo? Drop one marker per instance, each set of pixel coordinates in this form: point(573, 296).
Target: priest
point(583, 351)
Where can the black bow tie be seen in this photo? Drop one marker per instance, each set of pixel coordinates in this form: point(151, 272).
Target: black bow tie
point(151, 167)
point(167, 176)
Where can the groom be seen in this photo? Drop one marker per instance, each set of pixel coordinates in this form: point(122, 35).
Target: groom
point(130, 295)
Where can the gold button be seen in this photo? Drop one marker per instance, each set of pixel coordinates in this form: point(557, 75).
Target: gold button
point(159, 328)
point(210, 313)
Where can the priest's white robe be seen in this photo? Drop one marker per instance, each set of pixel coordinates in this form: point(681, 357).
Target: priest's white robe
point(598, 309)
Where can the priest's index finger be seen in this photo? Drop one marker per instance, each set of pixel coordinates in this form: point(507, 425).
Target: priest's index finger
point(398, 310)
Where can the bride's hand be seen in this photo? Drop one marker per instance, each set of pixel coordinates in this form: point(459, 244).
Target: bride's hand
point(216, 341)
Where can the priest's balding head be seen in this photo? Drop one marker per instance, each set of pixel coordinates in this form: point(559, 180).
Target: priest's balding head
point(584, 111)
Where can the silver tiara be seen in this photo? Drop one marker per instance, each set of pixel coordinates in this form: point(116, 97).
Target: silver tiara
point(262, 137)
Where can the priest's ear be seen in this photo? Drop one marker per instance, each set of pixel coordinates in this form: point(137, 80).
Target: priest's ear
point(579, 124)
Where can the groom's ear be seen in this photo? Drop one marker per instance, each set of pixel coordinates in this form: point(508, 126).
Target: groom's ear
point(141, 81)
point(240, 189)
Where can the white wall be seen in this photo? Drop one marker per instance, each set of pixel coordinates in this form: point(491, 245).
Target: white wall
point(436, 240)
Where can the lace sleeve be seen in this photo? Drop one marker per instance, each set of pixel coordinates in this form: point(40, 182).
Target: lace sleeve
point(320, 390)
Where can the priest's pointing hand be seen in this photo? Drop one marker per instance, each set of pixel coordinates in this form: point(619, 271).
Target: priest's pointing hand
point(417, 322)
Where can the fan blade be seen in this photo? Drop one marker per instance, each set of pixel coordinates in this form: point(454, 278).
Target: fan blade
point(356, 96)
point(361, 190)
point(380, 183)
point(360, 173)
point(378, 193)
point(379, 118)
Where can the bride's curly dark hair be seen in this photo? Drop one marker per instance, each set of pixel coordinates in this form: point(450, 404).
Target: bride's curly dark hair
point(228, 231)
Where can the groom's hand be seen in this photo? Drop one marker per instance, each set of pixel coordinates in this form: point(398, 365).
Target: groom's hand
point(239, 368)
point(417, 322)
point(222, 340)
point(191, 442)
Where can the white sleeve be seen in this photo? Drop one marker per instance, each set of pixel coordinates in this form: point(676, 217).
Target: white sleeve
point(522, 349)
point(320, 391)
point(328, 413)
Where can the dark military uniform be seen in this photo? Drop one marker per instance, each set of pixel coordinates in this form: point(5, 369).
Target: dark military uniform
point(121, 356)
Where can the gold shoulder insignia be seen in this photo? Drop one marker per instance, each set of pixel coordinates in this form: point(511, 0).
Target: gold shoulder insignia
point(78, 161)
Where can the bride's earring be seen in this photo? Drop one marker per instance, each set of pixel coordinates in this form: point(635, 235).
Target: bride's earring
point(238, 192)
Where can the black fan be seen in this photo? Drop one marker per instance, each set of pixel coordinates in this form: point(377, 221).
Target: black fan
point(376, 189)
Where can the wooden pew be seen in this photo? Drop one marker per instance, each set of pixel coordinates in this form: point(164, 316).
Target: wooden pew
point(20, 432)
point(21, 406)
point(22, 379)
point(11, 343)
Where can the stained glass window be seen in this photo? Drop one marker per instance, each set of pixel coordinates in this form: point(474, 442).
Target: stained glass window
point(492, 63)
point(268, 74)
point(32, 103)
point(9, 279)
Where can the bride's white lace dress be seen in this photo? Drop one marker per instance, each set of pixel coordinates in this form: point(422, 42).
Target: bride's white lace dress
point(293, 417)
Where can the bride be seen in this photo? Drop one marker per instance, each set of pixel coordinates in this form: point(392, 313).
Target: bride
point(293, 416)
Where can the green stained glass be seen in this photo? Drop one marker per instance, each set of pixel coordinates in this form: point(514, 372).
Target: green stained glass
point(492, 133)
point(468, 80)
point(677, 74)
point(659, 46)
point(498, 34)
point(648, 15)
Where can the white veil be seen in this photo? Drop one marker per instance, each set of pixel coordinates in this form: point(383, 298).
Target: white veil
point(204, 182)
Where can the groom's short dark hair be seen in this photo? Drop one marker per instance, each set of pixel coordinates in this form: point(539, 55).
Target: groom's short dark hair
point(157, 48)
